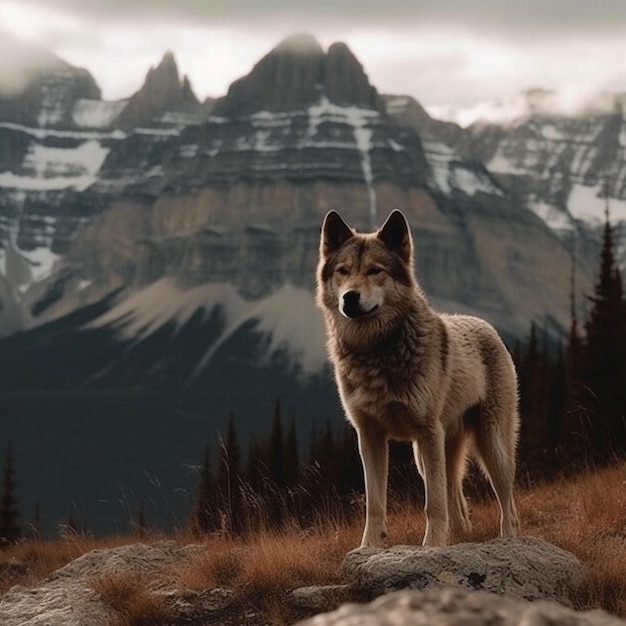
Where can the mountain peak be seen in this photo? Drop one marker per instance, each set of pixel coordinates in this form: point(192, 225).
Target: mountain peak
point(162, 91)
point(297, 73)
point(300, 43)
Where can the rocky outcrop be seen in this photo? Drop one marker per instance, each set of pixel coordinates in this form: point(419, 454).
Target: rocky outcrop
point(458, 607)
point(69, 597)
point(456, 588)
point(525, 568)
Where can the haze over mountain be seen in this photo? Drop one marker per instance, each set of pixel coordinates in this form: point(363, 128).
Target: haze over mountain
point(158, 253)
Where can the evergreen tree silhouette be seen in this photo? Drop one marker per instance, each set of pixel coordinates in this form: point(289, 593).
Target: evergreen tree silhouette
point(256, 465)
point(203, 519)
point(37, 525)
point(292, 462)
point(229, 482)
point(605, 354)
point(277, 449)
point(140, 523)
point(10, 529)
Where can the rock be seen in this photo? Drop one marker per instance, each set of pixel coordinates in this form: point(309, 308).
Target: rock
point(319, 598)
point(67, 598)
point(457, 607)
point(525, 568)
point(193, 605)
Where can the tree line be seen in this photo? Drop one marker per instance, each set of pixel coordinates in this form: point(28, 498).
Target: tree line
point(572, 410)
point(573, 395)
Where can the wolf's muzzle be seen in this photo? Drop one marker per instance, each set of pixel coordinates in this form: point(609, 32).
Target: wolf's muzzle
point(351, 305)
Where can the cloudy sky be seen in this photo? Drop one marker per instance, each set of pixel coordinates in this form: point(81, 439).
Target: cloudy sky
point(451, 55)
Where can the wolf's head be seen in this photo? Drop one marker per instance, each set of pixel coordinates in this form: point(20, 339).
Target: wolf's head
point(366, 277)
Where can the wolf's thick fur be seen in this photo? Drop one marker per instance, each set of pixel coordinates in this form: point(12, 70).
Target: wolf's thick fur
point(444, 382)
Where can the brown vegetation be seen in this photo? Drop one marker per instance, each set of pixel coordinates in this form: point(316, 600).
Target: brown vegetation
point(585, 514)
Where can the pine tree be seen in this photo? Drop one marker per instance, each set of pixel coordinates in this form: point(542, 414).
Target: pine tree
point(10, 529)
point(203, 514)
point(140, 523)
point(256, 465)
point(277, 449)
point(229, 482)
point(605, 354)
point(292, 463)
point(37, 524)
point(573, 426)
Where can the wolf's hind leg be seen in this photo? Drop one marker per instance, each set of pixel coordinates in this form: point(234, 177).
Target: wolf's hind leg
point(495, 444)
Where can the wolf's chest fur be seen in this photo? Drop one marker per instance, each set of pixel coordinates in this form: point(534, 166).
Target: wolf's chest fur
point(389, 382)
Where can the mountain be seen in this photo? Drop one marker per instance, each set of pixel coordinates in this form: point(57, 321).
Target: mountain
point(563, 158)
point(157, 258)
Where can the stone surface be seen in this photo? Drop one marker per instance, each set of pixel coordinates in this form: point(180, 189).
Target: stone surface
point(457, 607)
point(525, 568)
point(66, 598)
point(319, 598)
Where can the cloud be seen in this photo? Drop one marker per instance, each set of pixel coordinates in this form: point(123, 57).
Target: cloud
point(449, 55)
point(555, 13)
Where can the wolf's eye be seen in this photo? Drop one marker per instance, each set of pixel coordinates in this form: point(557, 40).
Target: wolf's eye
point(372, 271)
point(343, 271)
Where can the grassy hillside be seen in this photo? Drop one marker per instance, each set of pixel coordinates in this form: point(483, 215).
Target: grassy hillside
point(585, 515)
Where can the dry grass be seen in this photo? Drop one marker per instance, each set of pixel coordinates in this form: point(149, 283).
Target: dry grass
point(129, 595)
point(585, 515)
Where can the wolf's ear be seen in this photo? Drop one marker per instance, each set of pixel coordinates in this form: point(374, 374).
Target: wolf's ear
point(335, 232)
point(396, 235)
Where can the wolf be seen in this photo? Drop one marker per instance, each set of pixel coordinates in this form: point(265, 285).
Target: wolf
point(445, 383)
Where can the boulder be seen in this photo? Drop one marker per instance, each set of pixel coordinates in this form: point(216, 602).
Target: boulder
point(458, 607)
point(525, 568)
point(67, 598)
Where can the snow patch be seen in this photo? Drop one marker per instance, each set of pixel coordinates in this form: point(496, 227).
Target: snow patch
point(291, 322)
point(587, 203)
point(42, 133)
point(58, 168)
point(288, 318)
point(27, 267)
point(470, 181)
point(163, 302)
point(360, 119)
point(556, 219)
point(449, 172)
point(96, 113)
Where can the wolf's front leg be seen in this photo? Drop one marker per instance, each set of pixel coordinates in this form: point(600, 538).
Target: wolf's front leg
point(374, 451)
point(430, 458)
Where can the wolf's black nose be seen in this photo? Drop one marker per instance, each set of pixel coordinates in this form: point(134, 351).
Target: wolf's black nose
point(351, 299)
point(351, 303)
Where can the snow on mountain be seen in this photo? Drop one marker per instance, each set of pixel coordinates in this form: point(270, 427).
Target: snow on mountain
point(587, 203)
point(287, 319)
point(558, 220)
point(163, 302)
point(282, 319)
point(449, 172)
point(534, 102)
point(47, 168)
point(360, 120)
point(96, 113)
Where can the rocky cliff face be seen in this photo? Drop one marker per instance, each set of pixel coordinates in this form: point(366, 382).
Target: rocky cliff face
point(564, 163)
point(239, 196)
